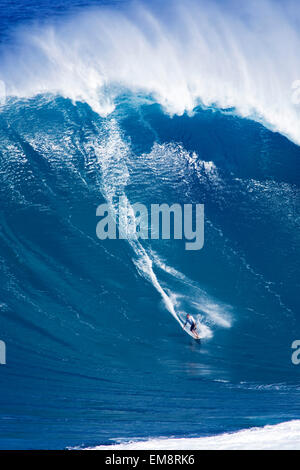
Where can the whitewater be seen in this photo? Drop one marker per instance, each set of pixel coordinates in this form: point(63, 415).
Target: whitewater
point(284, 436)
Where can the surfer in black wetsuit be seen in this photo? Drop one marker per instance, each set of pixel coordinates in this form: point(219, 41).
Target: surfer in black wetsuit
point(191, 321)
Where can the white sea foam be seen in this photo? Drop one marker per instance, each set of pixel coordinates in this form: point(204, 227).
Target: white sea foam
point(224, 54)
point(284, 436)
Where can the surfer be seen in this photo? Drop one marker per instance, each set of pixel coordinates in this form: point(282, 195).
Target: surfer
point(191, 321)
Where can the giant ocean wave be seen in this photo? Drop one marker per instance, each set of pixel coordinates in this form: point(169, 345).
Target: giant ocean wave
point(196, 52)
point(191, 104)
point(284, 436)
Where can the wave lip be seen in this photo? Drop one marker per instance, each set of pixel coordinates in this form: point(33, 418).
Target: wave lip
point(283, 436)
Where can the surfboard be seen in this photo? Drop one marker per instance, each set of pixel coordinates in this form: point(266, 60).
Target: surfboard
point(193, 335)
